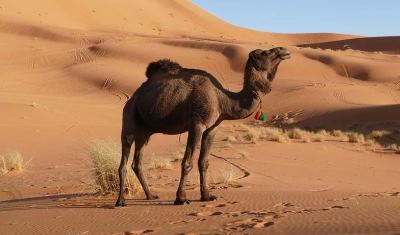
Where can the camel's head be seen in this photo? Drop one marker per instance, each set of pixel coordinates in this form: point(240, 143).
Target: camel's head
point(268, 60)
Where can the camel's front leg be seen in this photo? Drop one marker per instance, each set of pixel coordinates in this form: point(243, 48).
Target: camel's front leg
point(206, 143)
point(195, 134)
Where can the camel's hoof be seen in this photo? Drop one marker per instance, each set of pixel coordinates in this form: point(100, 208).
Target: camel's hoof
point(153, 197)
point(208, 198)
point(120, 202)
point(181, 202)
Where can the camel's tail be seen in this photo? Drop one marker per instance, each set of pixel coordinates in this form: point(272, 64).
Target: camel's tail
point(163, 66)
point(129, 119)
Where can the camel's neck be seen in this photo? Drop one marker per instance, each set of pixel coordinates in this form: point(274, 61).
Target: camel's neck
point(247, 101)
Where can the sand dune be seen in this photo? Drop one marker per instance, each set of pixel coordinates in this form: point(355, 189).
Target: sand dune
point(360, 65)
point(156, 18)
point(389, 45)
point(382, 114)
point(68, 67)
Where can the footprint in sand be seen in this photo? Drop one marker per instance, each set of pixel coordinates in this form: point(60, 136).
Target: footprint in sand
point(219, 205)
point(284, 204)
point(136, 232)
point(391, 194)
point(339, 207)
point(206, 213)
point(191, 233)
point(186, 221)
point(241, 225)
point(266, 215)
point(214, 205)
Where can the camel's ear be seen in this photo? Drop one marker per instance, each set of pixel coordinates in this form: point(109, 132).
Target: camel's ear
point(254, 56)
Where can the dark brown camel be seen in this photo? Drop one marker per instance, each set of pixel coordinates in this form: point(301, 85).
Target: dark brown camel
point(174, 100)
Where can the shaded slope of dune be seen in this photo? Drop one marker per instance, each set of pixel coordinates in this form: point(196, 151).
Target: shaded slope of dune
point(345, 118)
point(390, 45)
point(357, 65)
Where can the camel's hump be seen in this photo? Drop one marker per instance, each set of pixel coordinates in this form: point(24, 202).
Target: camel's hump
point(164, 65)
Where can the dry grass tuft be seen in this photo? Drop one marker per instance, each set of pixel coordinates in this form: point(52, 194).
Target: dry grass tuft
point(243, 154)
point(34, 105)
point(228, 175)
point(297, 133)
point(269, 133)
point(11, 161)
point(356, 137)
point(252, 134)
point(229, 145)
point(230, 139)
point(178, 155)
point(393, 147)
point(371, 142)
point(306, 139)
point(317, 137)
point(106, 158)
point(323, 133)
point(289, 121)
point(280, 139)
point(379, 134)
point(337, 133)
point(341, 135)
point(161, 163)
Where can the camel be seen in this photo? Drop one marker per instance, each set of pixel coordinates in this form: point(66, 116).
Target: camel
point(174, 100)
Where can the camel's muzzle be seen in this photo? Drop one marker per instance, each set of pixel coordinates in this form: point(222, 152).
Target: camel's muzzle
point(284, 55)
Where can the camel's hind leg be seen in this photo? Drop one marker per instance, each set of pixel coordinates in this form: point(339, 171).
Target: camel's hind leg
point(126, 141)
point(140, 142)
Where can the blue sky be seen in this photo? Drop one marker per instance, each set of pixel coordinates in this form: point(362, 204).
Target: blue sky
point(361, 17)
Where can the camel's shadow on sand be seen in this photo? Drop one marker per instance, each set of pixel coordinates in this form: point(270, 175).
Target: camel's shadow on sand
point(76, 201)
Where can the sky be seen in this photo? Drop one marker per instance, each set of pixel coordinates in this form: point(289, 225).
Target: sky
point(359, 17)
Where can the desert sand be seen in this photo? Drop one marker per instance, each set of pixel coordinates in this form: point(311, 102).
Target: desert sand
point(68, 68)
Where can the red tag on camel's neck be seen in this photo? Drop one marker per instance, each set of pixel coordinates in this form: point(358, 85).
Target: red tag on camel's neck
point(258, 114)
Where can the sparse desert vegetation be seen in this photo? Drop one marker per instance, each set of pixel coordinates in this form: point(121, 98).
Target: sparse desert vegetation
point(161, 162)
point(177, 155)
point(393, 147)
point(379, 133)
point(280, 138)
point(346, 47)
point(373, 138)
point(230, 139)
point(106, 156)
point(252, 134)
point(227, 175)
point(356, 137)
point(275, 134)
point(341, 135)
point(243, 154)
point(11, 161)
point(297, 133)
